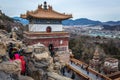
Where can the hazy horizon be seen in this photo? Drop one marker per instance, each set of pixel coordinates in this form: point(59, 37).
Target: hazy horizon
point(100, 10)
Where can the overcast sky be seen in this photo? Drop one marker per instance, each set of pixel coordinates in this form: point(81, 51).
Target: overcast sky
point(103, 10)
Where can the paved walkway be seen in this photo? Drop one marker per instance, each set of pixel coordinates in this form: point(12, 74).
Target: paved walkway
point(85, 72)
point(69, 74)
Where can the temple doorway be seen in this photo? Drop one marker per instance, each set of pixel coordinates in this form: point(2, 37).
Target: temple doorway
point(48, 29)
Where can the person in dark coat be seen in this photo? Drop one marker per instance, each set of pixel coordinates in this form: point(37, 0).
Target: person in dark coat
point(10, 49)
point(73, 76)
point(63, 71)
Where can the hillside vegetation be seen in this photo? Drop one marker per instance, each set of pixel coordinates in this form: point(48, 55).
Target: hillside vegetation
point(83, 47)
point(7, 23)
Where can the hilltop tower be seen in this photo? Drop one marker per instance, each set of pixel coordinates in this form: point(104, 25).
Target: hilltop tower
point(46, 27)
point(94, 63)
point(96, 55)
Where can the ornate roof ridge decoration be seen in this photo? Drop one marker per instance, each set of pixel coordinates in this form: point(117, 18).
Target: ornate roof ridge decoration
point(46, 12)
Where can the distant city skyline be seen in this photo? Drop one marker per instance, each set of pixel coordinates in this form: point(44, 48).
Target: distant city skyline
point(102, 10)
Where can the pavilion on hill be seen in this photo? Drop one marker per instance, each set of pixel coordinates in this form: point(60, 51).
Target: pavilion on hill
point(46, 27)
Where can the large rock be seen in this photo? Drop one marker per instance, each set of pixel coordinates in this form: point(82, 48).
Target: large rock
point(6, 76)
point(39, 56)
point(11, 67)
point(2, 49)
point(40, 48)
point(14, 35)
point(55, 76)
point(29, 49)
point(57, 66)
point(40, 52)
point(25, 78)
point(41, 66)
point(35, 73)
point(64, 58)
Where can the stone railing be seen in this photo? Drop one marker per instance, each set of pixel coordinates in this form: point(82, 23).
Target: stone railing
point(79, 73)
point(78, 62)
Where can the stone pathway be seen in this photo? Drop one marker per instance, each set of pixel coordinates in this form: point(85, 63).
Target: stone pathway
point(85, 72)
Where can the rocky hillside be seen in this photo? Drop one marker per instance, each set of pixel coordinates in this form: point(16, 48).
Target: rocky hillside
point(37, 64)
point(7, 23)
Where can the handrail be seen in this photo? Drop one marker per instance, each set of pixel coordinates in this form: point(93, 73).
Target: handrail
point(91, 70)
point(78, 72)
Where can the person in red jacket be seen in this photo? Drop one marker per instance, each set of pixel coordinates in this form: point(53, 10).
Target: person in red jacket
point(16, 56)
point(23, 65)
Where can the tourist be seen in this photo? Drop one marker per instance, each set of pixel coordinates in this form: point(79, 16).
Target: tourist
point(16, 56)
point(82, 66)
point(20, 51)
point(73, 76)
point(10, 48)
point(96, 76)
point(13, 52)
point(63, 71)
point(10, 53)
point(88, 72)
point(71, 62)
point(23, 64)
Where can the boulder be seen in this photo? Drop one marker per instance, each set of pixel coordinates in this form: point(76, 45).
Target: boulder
point(29, 49)
point(11, 67)
point(6, 76)
point(64, 58)
point(57, 66)
point(55, 76)
point(39, 48)
point(43, 65)
point(14, 35)
point(51, 68)
point(2, 49)
point(25, 78)
point(39, 56)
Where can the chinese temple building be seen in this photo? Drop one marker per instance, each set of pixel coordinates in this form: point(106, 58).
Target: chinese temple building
point(46, 27)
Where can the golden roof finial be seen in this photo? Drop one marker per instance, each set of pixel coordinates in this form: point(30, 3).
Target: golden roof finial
point(45, 5)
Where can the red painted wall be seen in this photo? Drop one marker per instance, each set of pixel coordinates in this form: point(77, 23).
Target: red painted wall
point(59, 40)
point(55, 41)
